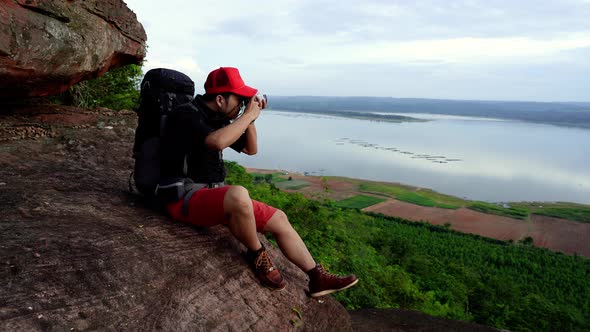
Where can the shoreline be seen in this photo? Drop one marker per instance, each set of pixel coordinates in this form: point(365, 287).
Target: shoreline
point(405, 185)
point(451, 165)
point(521, 222)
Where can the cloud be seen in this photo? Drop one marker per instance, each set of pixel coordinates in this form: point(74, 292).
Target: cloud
point(305, 45)
point(474, 50)
point(456, 50)
point(183, 64)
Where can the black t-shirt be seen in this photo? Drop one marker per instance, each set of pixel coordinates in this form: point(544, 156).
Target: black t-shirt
point(184, 135)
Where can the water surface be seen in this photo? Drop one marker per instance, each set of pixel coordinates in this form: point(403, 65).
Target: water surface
point(475, 158)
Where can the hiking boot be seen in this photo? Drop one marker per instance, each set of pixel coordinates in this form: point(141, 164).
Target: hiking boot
point(322, 283)
point(265, 270)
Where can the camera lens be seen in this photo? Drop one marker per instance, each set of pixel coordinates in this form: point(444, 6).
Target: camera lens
point(246, 101)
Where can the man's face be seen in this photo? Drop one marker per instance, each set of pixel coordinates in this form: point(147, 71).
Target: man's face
point(232, 106)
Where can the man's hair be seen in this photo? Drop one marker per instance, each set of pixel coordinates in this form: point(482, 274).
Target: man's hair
point(211, 96)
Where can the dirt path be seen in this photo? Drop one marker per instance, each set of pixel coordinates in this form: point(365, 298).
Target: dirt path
point(553, 233)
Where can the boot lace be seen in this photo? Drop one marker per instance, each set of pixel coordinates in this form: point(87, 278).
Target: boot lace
point(325, 273)
point(263, 262)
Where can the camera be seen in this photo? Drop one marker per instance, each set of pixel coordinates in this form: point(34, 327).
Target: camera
point(245, 101)
point(257, 98)
point(260, 97)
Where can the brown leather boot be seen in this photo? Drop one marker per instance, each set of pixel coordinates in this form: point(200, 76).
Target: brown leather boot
point(265, 270)
point(322, 283)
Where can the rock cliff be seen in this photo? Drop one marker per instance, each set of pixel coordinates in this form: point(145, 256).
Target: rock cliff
point(78, 252)
point(48, 45)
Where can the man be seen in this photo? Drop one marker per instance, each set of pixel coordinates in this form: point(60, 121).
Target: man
point(195, 136)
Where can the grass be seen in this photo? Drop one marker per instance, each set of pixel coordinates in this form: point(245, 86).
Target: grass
point(280, 180)
point(269, 177)
point(392, 190)
point(581, 215)
point(429, 198)
point(570, 211)
point(489, 208)
point(292, 184)
point(423, 200)
point(359, 201)
point(424, 197)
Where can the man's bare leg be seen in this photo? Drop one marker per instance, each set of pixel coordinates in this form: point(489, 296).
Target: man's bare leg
point(242, 224)
point(320, 281)
point(289, 241)
point(238, 205)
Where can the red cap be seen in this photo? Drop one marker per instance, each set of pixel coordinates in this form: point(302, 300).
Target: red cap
point(228, 79)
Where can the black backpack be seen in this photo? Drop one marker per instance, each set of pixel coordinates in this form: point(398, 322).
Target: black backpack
point(161, 91)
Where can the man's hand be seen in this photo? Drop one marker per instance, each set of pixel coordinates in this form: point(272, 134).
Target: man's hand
point(253, 109)
point(226, 136)
point(261, 101)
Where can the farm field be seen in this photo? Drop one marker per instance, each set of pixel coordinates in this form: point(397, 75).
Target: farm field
point(508, 222)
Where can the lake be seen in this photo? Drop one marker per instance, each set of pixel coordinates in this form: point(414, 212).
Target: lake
point(474, 158)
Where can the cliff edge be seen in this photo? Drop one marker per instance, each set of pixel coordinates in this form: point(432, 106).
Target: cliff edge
point(78, 251)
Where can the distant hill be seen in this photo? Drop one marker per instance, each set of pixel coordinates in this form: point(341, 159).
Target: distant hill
point(575, 114)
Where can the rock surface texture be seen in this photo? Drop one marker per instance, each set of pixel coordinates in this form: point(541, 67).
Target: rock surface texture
point(48, 45)
point(78, 252)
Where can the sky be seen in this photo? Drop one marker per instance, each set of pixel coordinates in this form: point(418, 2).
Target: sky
point(532, 50)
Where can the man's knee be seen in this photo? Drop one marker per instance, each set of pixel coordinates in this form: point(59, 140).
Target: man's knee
point(281, 216)
point(279, 224)
point(237, 200)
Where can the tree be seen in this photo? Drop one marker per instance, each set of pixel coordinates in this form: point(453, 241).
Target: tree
point(268, 178)
point(325, 184)
point(117, 89)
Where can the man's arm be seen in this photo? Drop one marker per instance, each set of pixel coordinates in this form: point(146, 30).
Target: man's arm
point(251, 147)
point(226, 136)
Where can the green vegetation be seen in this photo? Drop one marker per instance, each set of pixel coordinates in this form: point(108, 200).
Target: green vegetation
point(521, 210)
point(436, 270)
point(280, 180)
point(570, 211)
point(512, 212)
point(292, 185)
point(582, 214)
point(408, 194)
point(269, 177)
point(359, 201)
point(390, 190)
point(418, 199)
point(117, 89)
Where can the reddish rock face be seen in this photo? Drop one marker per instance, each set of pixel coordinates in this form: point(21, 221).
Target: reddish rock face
point(48, 45)
point(78, 252)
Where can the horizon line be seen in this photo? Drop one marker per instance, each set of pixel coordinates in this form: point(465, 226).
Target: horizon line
point(442, 99)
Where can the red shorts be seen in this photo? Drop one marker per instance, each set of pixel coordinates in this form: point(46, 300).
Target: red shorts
point(205, 209)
